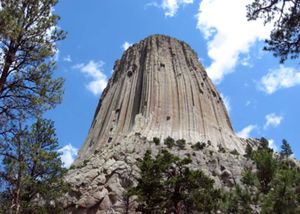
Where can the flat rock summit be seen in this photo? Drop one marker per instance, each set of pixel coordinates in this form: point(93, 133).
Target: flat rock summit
point(158, 89)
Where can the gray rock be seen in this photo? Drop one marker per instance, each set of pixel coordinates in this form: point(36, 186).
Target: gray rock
point(158, 89)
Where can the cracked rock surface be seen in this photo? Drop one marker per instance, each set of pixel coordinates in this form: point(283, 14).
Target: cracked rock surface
point(158, 89)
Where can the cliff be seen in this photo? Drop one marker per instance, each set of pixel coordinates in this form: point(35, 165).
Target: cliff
point(158, 89)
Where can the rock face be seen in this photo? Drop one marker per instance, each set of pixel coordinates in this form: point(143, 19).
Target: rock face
point(158, 89)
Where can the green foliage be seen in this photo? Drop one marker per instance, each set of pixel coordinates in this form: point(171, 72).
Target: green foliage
point(156, 141)
point(286, 150)
point(169, 142)
point(249, 178)
point(180, 144)
point(85, 162)
point(198, 146)
point(274, 186)
point(167, 185)
point(284, 39)
point(266, 166)
point(32, 170)
point(264, 143)
point(284, 196)
point(237, 201)
point(28, 36)
point(234, 152)
point(221, 148)
point(248, 151)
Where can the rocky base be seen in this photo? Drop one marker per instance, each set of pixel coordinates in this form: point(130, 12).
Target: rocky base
point(98, 183)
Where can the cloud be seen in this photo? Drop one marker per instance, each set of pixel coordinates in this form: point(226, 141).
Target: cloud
point(245, 132)
point(246, 61)
point(170, 6)
point(282, 77)
point(93, 70)
point(68, 155)
point(229, 34)
point(272, 145)
point(226, 101)
point(272, 120)
point(126, 45)
point(67, 58)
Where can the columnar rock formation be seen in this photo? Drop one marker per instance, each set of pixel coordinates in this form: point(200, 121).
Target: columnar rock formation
point(158, 89)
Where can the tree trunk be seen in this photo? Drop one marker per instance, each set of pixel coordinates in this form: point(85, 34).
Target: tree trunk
point(19, 181)
point(9, 59)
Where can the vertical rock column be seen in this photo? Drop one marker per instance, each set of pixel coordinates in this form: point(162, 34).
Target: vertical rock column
point(159, 89)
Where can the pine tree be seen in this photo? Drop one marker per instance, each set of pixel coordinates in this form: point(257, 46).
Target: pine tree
point(284, 39)
point(28, 36)
point(248, 151)
point(32, 170)
point(167, 185)
point(264, 143)
point(286, 149)
point(284, 194)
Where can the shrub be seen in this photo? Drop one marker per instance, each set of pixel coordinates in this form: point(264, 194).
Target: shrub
point(221, 148)
point(169, 142)
point(198, 146)
point(248, 151)
point(85, 162)
point(180, 143)
point(189, 191)
point(234, 152)
point(156, 140)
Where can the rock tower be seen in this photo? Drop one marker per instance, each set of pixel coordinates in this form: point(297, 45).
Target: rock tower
point(158, 89)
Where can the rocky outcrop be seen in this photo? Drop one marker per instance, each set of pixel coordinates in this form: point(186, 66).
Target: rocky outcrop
point(97, 184)
point(158, 89)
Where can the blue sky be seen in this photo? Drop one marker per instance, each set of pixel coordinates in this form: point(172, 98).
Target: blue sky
point(262, 96)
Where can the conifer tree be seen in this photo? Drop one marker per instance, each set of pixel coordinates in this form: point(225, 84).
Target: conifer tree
point(32, 172)
point(167, 185)
point(248, 151)
point(28, 36)
point(284, 39)
point(286, 150)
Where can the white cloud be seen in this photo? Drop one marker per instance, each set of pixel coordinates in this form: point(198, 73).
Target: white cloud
point(93, 70)
point(67, 58)
point(229, 34)
point(283, 77)
point(272, 120)
point(272, 145)
point(246, 61)
point(245, 132)
point(226, 101)
point(126, 45)
point(170, 6)
point(68, 155)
